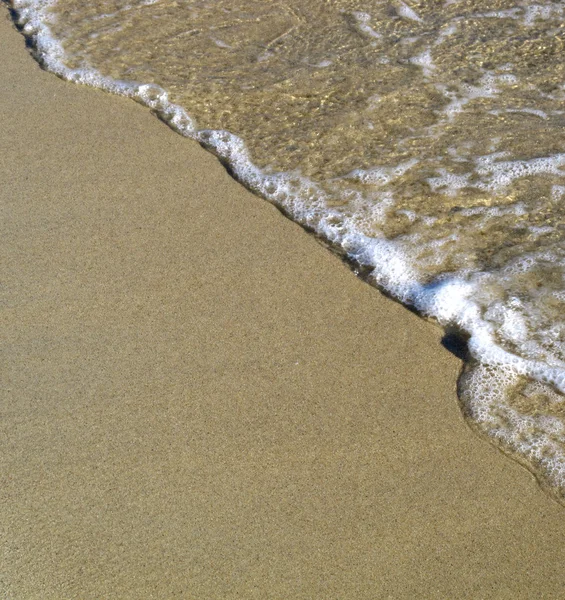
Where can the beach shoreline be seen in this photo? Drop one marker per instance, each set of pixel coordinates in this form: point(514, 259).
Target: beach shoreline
point(202, 401)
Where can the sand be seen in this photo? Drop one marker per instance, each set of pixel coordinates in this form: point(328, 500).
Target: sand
point(201, 401)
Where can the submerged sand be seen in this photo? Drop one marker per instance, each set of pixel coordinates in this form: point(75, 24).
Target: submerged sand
point(200, 401)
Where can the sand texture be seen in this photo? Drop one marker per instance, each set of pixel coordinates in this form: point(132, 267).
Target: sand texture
point(200, 401)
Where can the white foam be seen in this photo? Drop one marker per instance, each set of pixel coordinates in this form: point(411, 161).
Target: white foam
point(534, 12)
point(532, 111)
point(363, 19)
point(496, 175)
point(449, 183)
point(373, 101)
point(557, 192)
point(511, 13)
point(503, 173)
point(425, 61)
point(405, 11)
point(538, 438)
point(517, 209)
point(445, 33)
point(378, 176)
point(323, 64)
point(527, 13)
point(221, 44)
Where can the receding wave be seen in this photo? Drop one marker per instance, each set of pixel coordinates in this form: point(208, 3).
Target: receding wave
point(423, 139)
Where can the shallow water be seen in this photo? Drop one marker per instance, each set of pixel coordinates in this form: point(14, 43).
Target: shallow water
point(423, 138)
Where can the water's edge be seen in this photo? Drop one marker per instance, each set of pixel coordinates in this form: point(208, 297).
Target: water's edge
point(447, 305)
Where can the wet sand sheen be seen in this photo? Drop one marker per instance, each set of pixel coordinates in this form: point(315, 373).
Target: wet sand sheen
point(203, 402)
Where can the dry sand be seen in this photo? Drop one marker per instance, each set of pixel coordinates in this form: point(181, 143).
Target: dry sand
point(200, 401)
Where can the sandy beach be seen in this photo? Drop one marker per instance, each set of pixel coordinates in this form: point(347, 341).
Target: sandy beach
point(200, 401)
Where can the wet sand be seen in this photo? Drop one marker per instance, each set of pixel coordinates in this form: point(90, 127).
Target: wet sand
point(200, 401)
